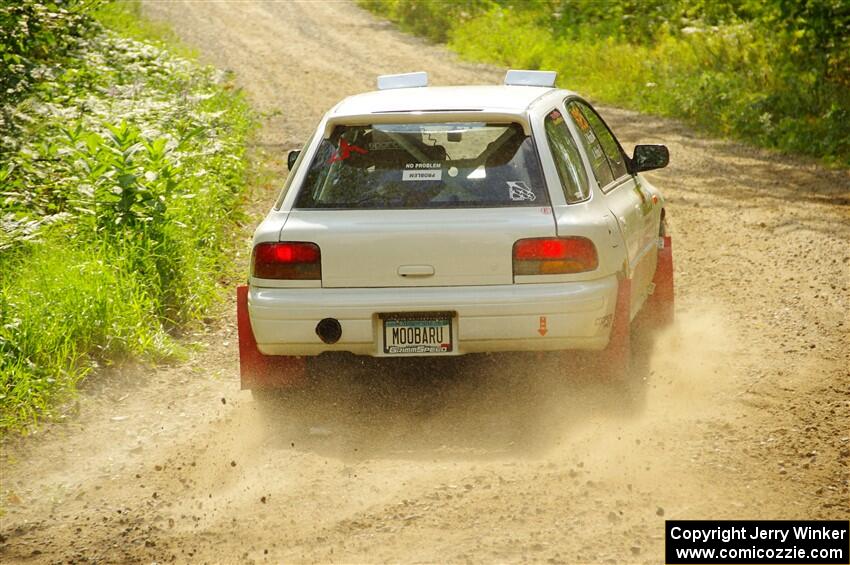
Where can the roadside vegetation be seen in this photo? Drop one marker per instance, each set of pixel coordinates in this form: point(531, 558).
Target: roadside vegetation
point(121, 170)
point(774, 72)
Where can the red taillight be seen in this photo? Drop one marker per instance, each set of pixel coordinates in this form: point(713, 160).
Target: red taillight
point(554, 256)
point(287, 260)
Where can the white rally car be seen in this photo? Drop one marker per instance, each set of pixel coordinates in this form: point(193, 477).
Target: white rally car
point(439, 221)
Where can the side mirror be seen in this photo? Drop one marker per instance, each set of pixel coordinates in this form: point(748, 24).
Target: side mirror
point(649, 157)
point(293, 156)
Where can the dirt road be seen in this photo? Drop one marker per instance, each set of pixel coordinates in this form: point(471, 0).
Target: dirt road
point(744, 412)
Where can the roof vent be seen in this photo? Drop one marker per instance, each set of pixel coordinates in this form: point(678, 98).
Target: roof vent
point(406, 80)
point(531, 78)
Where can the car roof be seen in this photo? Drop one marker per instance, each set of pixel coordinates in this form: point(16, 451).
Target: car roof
point(511, 99)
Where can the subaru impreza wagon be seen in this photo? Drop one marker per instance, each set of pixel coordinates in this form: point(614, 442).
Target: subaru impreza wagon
point(443, 221)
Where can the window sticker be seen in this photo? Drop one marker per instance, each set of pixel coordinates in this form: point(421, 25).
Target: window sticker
point(345, 150)
point(579, 118)
point(520, 192)
point(597, 151)
point(422, 171)
point(556, 117)
point(383, 146)
point(422, 174)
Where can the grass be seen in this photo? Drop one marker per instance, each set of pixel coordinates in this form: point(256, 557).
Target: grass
point(120, 194)
point(125, 17)
point(71, 305)
point(757, 75)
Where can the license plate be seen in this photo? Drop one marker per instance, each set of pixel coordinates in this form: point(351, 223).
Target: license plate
point(418, 333)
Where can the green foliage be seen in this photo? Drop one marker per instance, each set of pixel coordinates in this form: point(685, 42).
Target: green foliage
point(430, 18)
point(118, 188)
point(32, 33)
point(68, 306)
point(776, 73)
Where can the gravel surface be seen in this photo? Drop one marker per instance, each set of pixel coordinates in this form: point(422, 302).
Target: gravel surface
point(742, 408)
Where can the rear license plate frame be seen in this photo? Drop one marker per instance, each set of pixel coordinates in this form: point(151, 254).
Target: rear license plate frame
point(442, 319)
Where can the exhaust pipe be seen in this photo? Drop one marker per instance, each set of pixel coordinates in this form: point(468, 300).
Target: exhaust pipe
point(329, 330)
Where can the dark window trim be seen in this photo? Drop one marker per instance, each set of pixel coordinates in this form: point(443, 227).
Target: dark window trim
point(290, 178)
point(487, 206)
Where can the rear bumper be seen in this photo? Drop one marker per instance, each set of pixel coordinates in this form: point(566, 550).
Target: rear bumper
point(488, 318)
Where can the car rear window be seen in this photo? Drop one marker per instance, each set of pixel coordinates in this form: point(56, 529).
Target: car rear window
point(446, 165)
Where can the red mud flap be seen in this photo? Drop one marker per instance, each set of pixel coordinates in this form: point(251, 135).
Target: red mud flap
point(255, 369)
point(616, 357)
point(662, 301)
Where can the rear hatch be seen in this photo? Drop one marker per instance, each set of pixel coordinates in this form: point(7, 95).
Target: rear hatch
point(386, 248)
point(421, 204)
